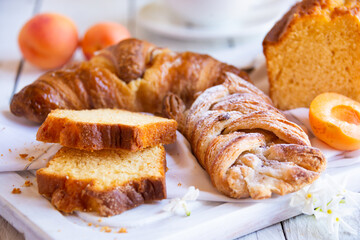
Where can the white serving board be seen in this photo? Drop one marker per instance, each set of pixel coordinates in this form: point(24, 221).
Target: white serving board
point(34, 216)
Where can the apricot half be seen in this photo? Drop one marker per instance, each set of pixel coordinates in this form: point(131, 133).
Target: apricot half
point(335, 119)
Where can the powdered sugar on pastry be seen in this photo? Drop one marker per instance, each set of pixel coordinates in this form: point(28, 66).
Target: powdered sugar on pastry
point(246, 145)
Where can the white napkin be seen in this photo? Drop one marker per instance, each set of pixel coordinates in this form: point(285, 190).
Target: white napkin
point(18, 148)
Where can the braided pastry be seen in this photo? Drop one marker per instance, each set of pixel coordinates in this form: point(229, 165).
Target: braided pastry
point(133, 75)
point(246, 145)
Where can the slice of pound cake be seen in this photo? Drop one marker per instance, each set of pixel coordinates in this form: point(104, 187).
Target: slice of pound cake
point(106, 181)
point(106, 129)
point(314, 48)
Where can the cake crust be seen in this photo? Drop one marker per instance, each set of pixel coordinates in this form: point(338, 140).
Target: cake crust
point(69, 195)
point(309, 8)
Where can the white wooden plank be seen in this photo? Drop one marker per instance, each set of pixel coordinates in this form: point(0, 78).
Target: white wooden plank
point(251, 236)
point(273, 232)
point(303, 227)
point(306, 227)
point(8, 232)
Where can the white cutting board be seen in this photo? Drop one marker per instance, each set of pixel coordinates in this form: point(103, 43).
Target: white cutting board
point(34, 216)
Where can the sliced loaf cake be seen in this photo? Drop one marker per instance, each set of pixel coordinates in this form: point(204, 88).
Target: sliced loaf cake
point(106, 181)
point(106, 129)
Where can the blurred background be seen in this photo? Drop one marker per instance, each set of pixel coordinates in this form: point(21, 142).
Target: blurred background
point(229, 30)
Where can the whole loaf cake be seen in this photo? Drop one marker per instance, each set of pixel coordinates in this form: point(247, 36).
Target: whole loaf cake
point(314, 48)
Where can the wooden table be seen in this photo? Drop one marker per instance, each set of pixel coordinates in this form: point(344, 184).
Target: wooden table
point(16, 73)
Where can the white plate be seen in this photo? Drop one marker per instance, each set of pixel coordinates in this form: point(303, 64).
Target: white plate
point(156, 18)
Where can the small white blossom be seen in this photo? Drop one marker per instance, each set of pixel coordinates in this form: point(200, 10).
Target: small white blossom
point(308, 198)
point(326, 200)
point(340, 190)
point(333, 215)
point(191, 195)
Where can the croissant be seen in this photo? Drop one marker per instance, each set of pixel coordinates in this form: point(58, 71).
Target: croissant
point(246, 145)
point(133, 75)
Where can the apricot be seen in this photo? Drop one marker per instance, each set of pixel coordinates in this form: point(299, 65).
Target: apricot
point(335, 119)
point(102, 35)
point(48, 40)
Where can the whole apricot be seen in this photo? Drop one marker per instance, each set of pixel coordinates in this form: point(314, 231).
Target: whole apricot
point(335, 119)
point(48, 40)
point(102, 35)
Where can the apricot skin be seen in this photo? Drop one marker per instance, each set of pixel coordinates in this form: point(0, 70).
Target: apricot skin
point(334, 119)
point(48, 40)
point(102, 35)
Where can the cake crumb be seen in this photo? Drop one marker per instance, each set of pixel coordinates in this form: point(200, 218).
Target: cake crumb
point(166, 169)
point(31, 158)
point(96, 225)
point(28, 183)
point(105, 229)
point(179, 184)
point(23, 155)
point(122, 230)
point(2, 155)
point(16, 191)
point(99, 220)
point(10, 150)
point(89, 224)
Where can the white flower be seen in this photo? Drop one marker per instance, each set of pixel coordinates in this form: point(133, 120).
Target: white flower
point(333, 215)
point(308, 198)
point(191, 195)
point(340, 190)
point(327, 200)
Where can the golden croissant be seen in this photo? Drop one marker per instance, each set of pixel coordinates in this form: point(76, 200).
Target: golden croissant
point(246, 145)
point(133, 75)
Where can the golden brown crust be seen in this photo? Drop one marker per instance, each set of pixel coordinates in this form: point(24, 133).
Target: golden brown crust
point(69, 195)
point(130, 59)
point(97, 136)
point(309, 8)
point(247, 146)
point(132, 75)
